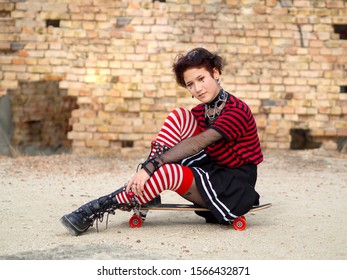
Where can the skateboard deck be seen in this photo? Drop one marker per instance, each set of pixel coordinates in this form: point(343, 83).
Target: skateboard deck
point(140, 213)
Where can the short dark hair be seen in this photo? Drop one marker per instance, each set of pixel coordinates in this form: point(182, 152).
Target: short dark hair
point(196, 58)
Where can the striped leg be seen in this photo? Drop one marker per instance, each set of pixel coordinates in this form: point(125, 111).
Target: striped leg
point(179, 125)
point(172, 177)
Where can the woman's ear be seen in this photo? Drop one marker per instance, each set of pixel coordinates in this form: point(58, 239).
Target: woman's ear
point(216, 74)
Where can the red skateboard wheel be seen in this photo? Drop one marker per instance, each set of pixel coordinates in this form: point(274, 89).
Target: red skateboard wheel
point(135, 221)
point(240, 223)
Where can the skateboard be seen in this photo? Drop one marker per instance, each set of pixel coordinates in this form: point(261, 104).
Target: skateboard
point(141, 211)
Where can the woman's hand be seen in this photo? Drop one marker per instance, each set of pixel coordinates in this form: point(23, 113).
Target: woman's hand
point(137, 182)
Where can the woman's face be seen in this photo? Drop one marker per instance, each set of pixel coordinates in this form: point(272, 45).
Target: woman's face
point(201, 84)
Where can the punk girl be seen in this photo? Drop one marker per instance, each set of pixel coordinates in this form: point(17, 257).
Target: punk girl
point(208, 155)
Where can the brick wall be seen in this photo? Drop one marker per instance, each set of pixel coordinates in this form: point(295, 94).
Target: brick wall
point(287, 59)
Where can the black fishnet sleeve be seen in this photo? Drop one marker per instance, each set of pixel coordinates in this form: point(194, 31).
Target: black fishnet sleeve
point(182, 150)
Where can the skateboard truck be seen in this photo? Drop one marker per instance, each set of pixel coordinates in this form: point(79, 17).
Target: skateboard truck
point(139, 216)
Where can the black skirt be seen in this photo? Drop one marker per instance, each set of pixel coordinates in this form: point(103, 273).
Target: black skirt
point(227, 192)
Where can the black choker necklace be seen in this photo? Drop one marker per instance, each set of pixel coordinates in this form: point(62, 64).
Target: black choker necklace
point(214, 108)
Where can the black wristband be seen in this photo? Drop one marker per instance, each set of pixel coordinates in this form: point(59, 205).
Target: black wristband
point(155, 164)
point(147, 171)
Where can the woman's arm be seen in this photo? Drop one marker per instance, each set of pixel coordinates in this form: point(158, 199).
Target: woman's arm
point(184, 149)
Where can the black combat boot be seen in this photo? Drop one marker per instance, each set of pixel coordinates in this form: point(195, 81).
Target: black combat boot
point(81, 219)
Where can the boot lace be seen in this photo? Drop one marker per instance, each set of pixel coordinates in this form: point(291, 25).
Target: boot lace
point(109, 208)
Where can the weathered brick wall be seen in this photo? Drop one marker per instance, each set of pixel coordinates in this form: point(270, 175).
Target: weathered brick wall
point(284, 59)
point(41, 114)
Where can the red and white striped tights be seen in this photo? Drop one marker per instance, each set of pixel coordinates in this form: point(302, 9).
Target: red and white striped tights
point(179, 125)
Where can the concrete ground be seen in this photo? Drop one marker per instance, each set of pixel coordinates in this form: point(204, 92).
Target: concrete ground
point(307, 221)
